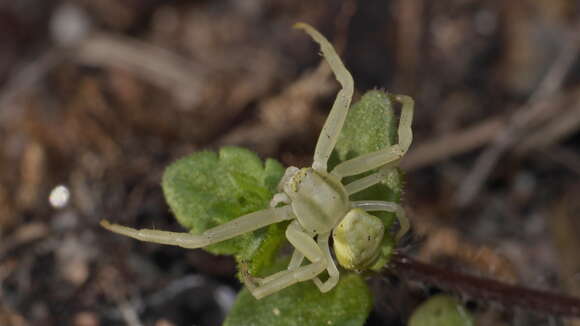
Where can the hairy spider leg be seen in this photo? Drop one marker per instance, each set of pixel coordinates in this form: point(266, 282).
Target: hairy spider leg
point(337, 116)
point(378, 205)
point(231, 229)
point(305, 244)
point(389, 156)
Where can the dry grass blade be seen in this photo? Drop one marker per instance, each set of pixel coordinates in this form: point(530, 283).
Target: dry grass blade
point(456, 143)
point(154, 64)
point(285, 114)
point(538, 102)
point(22, 236)
point(555, 130)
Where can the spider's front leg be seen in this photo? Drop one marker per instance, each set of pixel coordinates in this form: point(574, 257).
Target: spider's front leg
point(388, 157)
point(231, 229)
point(337, 116)
point(306, 246)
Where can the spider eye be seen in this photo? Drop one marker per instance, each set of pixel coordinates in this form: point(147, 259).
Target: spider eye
point(357, 239)
point(295, 179)
point(290, 172)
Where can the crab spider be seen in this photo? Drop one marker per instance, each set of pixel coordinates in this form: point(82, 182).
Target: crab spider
point(316, 202)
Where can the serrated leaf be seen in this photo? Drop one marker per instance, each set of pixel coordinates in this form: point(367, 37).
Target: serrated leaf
point(207, 189)
point(441, 310)
point(370, 125)
point(348, 304)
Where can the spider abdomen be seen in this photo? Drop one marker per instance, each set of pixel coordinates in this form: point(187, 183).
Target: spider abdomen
point(357, 239)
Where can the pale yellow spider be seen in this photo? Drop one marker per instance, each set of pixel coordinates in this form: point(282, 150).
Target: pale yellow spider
point(316, 201)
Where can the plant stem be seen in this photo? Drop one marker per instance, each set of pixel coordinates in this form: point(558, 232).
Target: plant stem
point(486, 289)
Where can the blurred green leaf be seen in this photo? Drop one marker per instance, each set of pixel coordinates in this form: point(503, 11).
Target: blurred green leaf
point(441, 310)
point(207, 189)
point(348, 304)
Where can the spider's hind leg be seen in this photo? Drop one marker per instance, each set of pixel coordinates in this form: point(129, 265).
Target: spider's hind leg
point(333, 273)
point(307, 247)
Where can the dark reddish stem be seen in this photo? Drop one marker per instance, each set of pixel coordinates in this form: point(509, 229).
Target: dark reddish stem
point(486, 289)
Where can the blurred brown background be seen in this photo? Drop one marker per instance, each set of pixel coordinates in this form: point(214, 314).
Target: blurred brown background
point(97, 97)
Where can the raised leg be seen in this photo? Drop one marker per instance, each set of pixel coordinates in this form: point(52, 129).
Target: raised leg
point(335, 121)
point(333, 274)
point(305, 244)
point(377, 205)
point(389, 156)
point(231, 229)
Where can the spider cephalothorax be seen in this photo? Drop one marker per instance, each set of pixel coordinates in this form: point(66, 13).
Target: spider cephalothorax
point(316, 202)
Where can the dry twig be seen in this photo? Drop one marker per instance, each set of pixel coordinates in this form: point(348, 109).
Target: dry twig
point(487, 289)
point(154, 64)
point(538, 103)
point(456, 143)
point(563, 156)
point(561, 125)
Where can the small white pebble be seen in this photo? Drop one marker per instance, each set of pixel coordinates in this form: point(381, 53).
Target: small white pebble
point(276, 311)
point(59, 196)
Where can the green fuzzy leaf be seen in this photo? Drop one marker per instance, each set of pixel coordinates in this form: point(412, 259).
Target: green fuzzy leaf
point(441, 310)
point(207, 189)
point(371, 125)
point(348, 304)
